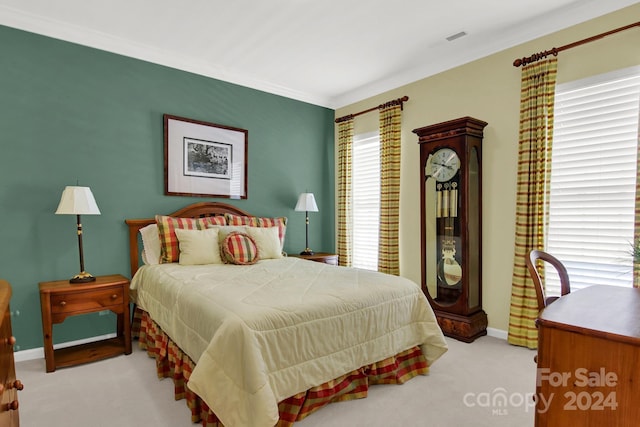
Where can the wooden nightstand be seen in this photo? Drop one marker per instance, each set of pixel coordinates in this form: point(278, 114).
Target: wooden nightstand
point(60, 299)
point(324, 257)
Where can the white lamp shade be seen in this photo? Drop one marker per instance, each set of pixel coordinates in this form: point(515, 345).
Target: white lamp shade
point(77, 201)
point(306, 202)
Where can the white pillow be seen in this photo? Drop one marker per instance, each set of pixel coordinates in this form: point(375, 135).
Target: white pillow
point(198, 246)
point(150, 244)
point(267, 240)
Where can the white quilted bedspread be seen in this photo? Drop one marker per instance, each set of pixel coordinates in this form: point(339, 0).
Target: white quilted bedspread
point(264, 332)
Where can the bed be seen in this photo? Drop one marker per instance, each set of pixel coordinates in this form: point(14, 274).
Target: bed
point(269, 342)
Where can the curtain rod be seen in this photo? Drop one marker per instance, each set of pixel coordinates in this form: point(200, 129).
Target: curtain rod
point(386, 104)
point(554, 51)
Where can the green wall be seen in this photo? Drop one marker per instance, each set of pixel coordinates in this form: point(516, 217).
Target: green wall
point(71, 114)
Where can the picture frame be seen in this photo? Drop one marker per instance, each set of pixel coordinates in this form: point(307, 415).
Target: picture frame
point(203, 159)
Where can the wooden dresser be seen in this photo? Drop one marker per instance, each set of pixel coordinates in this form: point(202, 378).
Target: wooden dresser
point(589, 359)
point(9, 386)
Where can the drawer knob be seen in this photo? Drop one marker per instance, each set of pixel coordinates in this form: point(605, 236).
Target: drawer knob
point(17, 384)
point(13, 406)
point(11, 340)
point(63, 303)
point(114, 296)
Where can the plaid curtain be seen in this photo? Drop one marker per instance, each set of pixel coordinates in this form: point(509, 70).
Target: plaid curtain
point(345, 215)
point(390, 130)
point(636, 230)
point(537, 96)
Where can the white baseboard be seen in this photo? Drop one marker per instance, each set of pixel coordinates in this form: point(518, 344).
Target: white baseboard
point(497, 333)
point(38, 353)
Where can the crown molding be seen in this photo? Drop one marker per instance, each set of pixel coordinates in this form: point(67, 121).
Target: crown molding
point(106, 42)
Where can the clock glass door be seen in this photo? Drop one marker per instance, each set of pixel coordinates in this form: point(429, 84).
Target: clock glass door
point(473, 229)
point(442, 201)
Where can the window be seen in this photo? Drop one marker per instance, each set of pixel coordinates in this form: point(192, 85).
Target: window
point(366, 200)
point(593, 177)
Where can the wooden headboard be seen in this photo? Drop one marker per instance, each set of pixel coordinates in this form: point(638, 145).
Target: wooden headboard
point(196, 210)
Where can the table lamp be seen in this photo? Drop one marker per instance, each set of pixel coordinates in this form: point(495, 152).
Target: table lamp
point(78, 201)
point(306, 203)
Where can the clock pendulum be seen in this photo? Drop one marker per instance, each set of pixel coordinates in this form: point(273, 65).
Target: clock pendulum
point(449, 270)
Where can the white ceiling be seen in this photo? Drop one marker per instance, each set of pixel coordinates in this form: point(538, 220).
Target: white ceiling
point(325, 52)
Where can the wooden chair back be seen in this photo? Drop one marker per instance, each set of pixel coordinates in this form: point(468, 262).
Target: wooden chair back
point(531, 261)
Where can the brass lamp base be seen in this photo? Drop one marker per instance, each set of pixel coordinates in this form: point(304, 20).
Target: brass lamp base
point(82, 277)
point(307, 251)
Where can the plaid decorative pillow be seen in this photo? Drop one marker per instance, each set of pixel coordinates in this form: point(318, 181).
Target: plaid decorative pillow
point(169, 246)
point(251, 221)
point(254, 221)
point(239, 248)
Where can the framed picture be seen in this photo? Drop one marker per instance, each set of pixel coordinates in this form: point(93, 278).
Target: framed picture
point(204, 159)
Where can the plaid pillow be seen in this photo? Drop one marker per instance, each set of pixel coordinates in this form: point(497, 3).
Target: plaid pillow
point(169, 246)
point(254, 221)
point(239, 248)
point(241, 220)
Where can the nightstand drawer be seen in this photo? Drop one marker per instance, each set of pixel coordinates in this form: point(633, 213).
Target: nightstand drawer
point(90, 301)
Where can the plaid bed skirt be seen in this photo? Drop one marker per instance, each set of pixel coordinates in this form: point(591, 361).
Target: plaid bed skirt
point(171, 362)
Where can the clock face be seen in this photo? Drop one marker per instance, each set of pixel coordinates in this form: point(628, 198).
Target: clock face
point(445, 163)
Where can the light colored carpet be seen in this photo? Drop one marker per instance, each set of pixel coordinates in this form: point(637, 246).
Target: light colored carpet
point(464, 388)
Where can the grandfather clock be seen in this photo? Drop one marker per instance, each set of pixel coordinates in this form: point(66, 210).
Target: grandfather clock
point(451, 224)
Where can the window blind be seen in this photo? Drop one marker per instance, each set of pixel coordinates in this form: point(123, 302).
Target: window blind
point(366, 200)
point(593, 176)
